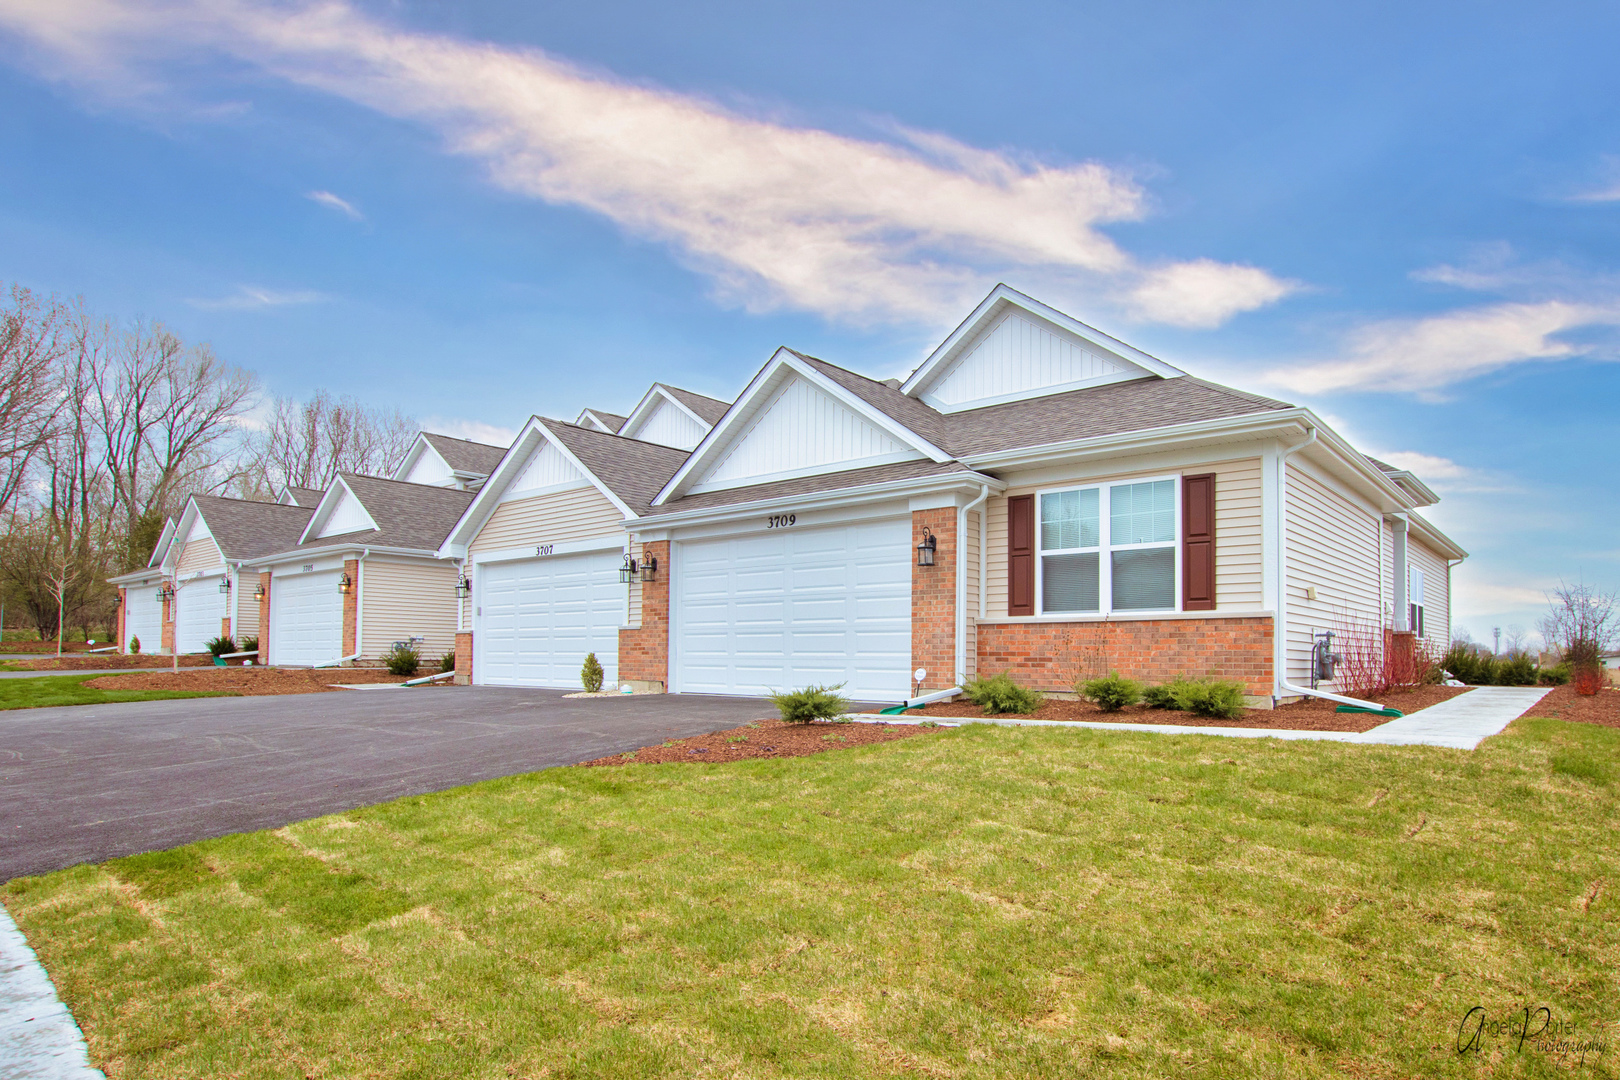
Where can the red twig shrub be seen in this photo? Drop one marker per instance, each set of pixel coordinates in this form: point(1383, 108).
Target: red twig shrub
point(1587, 679)
point(1359, 641)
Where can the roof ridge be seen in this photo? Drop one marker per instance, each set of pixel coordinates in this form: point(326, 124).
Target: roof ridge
point(611, 434)
point(457, 438)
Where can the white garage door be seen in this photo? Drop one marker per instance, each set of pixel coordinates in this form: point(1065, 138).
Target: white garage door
point(143, 618)
point(306, 618)
point(782, 610)
point(202, 606)
point(537, 618)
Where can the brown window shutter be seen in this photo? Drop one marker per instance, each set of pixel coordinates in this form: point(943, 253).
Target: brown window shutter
point(1198, 542)
point(1021, 555)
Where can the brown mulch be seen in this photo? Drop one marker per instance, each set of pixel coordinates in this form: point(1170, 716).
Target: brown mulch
point(765, 738)
point(48, 646)
point(1565, 704)
point(1309, 715)
point(246, 681)
point(108, 661)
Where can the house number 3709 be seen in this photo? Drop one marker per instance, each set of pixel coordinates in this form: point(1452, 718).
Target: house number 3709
point(781, 521)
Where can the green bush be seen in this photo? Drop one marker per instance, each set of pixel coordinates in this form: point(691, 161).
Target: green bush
point(811, 703)
point(1557, 675)
point(590, 676)
point(402, 659)
point(220, 646)
point(1000, 694)
point(1517, 670)
point(1482, 669)
point(1202, 697)
point(249, 644)
point(447, 662)
point(134, 645)
point(1112, 693)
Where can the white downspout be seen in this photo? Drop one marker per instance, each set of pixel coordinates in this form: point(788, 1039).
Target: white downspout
point(461, 605)
point(961, 577)
point(360, 604)
point(1280, 655)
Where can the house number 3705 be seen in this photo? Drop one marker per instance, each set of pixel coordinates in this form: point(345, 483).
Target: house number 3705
point(781, 521)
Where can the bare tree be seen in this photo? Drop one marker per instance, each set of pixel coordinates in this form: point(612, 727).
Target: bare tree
point(1583, 622)
point(304, 443)
point(31, 344)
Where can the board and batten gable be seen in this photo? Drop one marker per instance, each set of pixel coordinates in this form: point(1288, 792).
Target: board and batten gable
point(547, 468)
point(579, 513)
point(348, 515)
point(1239, 531)
point(429, 468)
point(1016, 355)
point(801, 429)
point(403, 600)
point(1334, 539)
point(669, 425)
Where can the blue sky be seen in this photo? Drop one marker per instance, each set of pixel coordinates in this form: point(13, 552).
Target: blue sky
point(1405, 216)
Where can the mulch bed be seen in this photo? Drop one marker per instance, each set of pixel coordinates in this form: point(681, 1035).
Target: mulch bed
point(1308, 715)
point(1565, 704)
point(108, 661)
point(246, 681)
point(765, 738)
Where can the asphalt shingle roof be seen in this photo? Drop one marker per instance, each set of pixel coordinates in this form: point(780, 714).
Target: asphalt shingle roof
point(463, 455)
point(809, 485)
point(306, 497)
point(633, 470)
point(408, 515)
point(246, 530)
point(710, 409)
point(612, 420)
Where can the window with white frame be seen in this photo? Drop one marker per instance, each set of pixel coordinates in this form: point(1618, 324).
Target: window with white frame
point(1414, 599)
point(1108, 547)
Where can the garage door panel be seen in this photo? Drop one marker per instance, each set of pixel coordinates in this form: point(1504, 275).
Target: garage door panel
point(306, 618)
point(143, 617)
point(783, 610)
point(538, 618)
point(201, 611)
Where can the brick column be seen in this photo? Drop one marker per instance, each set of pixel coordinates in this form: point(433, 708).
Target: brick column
point(644, 651)
point(933, 600)
point(463, 675)
point(351, 605)
point(264, 617)
point(166, 638)
point(123, 606)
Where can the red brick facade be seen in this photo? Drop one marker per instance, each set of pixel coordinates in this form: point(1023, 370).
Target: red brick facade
point(264, 617)
point(123, 605)
point(1052, 656)
point(933, 599)
point(644, 651)
point(167, 642)
point(463, 674)
point(351, 605)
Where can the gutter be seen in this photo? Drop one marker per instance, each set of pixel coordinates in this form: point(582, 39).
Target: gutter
point(1280, 636)
point(816, 500)
point(961, 576)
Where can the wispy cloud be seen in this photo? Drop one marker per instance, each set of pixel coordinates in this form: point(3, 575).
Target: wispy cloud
point(1425, 355)
point(254, 297)
point(341, 205)
point(1446, 476)
point(908, 229)
point(473, 430)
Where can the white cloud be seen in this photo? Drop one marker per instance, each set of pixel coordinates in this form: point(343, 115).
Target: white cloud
point(1425, 355)
point(909, 229)
point(473, 430)
point(254, 297)
point(341, 205)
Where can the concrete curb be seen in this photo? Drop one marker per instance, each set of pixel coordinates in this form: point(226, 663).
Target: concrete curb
point(38, 1037)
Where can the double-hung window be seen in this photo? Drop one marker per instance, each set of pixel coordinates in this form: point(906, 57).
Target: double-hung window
point(1108, 547)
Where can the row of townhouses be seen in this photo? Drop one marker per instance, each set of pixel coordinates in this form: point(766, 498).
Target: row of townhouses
point(1037, 497)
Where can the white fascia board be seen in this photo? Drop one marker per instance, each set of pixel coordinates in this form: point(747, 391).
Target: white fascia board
point(411, 457)
point(818, 500)
point(160, 550)
point(282, 558)
point(1024, 395)
point(323, 509)
point(762, 384)
point(145, 576)
point(1434, 538)
point(182, 529)
point(590, 418)
point(990, 308)
point(1421, 492)
point(650, 401)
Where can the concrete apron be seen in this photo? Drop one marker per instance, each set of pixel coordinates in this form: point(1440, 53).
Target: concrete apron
point(1461, 723)
point(38, 1038)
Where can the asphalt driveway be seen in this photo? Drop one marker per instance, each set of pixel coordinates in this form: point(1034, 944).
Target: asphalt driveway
point(92, 782)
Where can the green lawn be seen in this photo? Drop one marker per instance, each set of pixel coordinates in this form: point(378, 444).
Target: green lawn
point(70, 690)
point(986, 902)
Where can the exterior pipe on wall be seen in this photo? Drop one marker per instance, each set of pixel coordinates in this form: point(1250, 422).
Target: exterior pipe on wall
point(360, 602)
point(1280, 636)
point(961, 574)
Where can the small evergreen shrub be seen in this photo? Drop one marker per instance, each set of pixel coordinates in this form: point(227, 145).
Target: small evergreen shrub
point(1516, 670)
point(1112, 693)
point(1162, 696)
point(1000, 694)
point(447, 662)
point(248, 644)
point(811, 703)
point(1557, 675)
point(1202, 697)
point(402, 659)
point(590, 676)
point(134, 645)
point(220, 646)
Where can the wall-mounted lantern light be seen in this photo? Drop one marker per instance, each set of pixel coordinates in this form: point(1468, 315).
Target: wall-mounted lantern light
point(344, 584)
point(164, 592)
point(649, 568)
point(926, 549)
point(463, 587)
point(225, 585)
point(628, 571)
point(258, 592)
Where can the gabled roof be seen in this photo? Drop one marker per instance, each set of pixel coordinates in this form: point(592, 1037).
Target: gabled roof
point(821, 482)
point(600, 419)
point(703, 412)
point(299, 496)
point(165, 538)
point(1408, 482)
point(409, 516)
point(464, 455)
point(245, 530)
point(708, 409)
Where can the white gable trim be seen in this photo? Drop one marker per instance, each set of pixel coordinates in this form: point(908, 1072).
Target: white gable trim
point(418, 448)
point(546, 470)
point(989, 313)
point(759, 391)
point(649, 403)
point(329, 502)
point(160, 550)
point(591, 419)
point(530, 440)
point(178, 532)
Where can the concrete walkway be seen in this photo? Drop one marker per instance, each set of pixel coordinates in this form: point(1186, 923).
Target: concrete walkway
point(38, 1038)
point(1461, 723)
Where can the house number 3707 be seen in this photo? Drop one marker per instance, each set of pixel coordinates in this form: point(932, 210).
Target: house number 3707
point(781, 521)
point(544, 549)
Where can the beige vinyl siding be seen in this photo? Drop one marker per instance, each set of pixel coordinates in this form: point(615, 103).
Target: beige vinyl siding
point(1239, 534)
point(560, 516)
point(1437, 594)
point(406, 600)
point(970, 572)
point(1333, 547)
point(633, 612)
point(246, 623)
point(200, 554)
